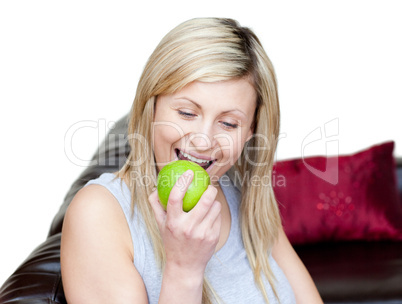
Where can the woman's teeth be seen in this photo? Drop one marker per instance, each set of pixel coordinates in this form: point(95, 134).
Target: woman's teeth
point(194, 159)
point(202, 162)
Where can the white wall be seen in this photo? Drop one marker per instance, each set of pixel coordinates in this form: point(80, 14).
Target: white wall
point(61, 63)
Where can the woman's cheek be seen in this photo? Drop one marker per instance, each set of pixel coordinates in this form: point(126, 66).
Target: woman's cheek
point(167, 131)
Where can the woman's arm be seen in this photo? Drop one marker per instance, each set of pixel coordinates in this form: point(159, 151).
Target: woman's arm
point(97, 252)
point(189, 240)
point(295, 271)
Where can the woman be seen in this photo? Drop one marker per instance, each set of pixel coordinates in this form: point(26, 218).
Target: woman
point(207, 94)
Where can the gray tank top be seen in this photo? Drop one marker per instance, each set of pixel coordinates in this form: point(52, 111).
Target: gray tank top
point(228, 271)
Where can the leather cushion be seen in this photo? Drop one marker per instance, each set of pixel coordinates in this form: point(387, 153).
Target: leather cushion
point(38, 279)
point(355, 271)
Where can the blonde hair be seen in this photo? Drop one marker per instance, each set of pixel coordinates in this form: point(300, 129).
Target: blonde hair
point(210, 50)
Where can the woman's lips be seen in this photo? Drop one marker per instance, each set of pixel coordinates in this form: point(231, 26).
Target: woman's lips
point(207, 164)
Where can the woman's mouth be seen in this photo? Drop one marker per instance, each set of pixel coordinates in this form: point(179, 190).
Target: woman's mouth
point(204, 163)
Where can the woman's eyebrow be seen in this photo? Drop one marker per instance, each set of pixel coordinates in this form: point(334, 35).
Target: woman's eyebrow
point(200, 107)
point(188, 99)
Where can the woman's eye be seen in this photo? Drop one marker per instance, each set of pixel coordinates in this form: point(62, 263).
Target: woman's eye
point(226, 125)
point(186, 114)
point(229, 125)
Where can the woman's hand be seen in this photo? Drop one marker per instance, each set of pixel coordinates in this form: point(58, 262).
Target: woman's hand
point(189, 238)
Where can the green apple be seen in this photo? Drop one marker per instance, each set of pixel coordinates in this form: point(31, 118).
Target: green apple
point(170, 173)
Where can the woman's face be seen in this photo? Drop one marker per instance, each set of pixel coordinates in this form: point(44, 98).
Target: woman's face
point(207, 123)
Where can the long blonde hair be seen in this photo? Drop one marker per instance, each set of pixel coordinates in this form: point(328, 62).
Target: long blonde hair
point(210, 50)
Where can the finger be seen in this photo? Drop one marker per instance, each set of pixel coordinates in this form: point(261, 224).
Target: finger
point(174, 206)
point(160, 213)
point(212, 215)
point(203, 206)
point(212, 221)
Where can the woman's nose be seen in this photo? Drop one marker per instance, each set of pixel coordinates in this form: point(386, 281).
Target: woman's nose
point(203, 141)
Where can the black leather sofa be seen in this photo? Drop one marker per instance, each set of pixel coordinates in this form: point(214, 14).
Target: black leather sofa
point(344, 272)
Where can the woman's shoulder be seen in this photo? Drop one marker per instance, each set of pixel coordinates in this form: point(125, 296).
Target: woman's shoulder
point(93, 197)
point(94, 207)
point(111, 181)
point(113, 186)
point(99, 207)
point(96, 245)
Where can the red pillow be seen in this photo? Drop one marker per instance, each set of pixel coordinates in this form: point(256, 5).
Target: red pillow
point(340, 198)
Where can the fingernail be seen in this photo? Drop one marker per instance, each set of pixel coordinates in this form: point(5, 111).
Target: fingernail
point(188, 173)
